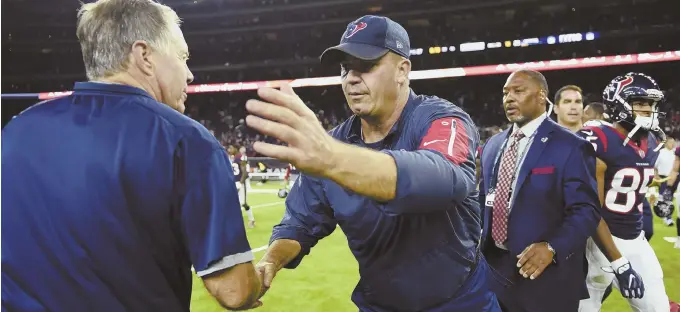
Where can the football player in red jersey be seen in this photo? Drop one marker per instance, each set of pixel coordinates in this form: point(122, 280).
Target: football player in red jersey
point(626, 152)
point(291, 175)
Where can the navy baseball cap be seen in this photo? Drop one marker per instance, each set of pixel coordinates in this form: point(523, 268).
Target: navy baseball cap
point(369, 38)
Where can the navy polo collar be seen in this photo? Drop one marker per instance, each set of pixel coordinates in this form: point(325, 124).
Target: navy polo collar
point(354, 134)
point(101, 87)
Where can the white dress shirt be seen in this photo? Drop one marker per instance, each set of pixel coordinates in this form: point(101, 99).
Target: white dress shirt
point(664, 164)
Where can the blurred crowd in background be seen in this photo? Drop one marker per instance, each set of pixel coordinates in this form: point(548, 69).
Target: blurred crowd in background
point(481, 97)
point(257, 40)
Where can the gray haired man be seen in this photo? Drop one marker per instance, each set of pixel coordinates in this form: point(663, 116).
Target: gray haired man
point(111, 213)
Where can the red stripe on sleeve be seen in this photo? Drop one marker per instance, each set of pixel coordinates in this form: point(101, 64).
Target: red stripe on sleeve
point(449, 137)
point(600, 134)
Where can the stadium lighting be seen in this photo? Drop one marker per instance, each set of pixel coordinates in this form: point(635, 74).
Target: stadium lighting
point(418, 51)
point(566, 38)
point(479, 46)
point(596, 61)
point(472, 46)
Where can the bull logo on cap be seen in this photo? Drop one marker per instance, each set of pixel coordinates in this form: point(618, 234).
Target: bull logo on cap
point(355, 29)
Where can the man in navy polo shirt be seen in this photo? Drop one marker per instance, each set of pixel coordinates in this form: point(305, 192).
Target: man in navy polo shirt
point(398, 177)
point(110, 195)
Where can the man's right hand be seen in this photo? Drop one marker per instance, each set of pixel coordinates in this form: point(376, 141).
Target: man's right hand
point(266, 270)
point(280, 252)
point(671, 179)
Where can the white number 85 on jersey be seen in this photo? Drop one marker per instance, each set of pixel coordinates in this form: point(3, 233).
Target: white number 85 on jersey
point(639, 184)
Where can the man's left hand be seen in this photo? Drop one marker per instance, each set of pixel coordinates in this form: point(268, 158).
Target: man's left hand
point(534, 259)
point(283, 115)
point(630, 282)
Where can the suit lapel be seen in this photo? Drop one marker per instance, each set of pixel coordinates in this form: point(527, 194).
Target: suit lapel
point(490, 154)
point(540, 141)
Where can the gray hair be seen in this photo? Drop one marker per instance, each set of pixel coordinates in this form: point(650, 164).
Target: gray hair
point(108, 28)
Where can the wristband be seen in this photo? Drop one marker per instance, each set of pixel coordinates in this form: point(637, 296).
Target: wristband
point(618, 263)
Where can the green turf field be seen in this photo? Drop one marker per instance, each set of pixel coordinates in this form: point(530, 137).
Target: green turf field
point(325, 279)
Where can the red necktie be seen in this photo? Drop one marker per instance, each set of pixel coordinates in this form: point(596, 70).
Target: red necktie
point(499, 229)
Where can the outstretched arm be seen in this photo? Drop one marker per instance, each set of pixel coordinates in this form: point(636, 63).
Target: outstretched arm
point(307, 219)
point(433, 176)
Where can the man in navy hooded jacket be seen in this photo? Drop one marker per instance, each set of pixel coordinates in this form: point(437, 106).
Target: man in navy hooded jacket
point(398, 177)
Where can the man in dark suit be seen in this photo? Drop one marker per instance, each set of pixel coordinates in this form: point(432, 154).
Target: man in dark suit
point(539, 191)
